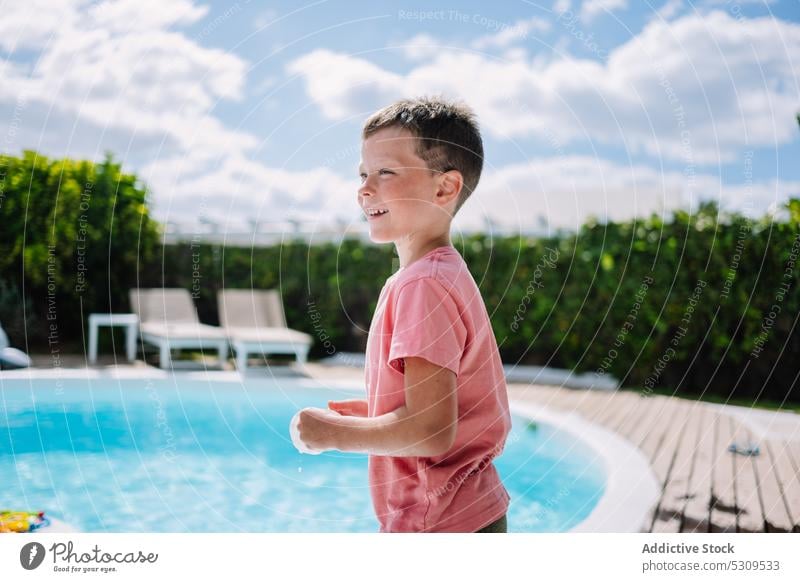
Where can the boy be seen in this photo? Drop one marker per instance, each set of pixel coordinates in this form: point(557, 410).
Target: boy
point(437, 408)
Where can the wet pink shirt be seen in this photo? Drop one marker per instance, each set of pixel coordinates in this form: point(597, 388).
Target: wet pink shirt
point(432, 309)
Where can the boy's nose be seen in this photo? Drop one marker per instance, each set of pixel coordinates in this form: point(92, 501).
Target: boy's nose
point(365, 189)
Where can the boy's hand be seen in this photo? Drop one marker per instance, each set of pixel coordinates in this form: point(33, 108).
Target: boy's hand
point(349, 407)
point(316, 429)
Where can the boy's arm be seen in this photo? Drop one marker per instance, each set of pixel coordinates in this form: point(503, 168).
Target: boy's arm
point(424, 427)
point(357, 407)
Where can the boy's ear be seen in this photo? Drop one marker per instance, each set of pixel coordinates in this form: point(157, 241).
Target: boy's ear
point(450, 185)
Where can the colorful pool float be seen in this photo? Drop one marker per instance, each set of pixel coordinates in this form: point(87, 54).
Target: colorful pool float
point(12, 521)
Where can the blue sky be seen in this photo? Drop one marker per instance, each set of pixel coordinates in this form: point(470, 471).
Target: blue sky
point(251, 110)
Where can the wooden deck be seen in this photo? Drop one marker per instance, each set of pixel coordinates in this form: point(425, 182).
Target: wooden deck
point(704, 487)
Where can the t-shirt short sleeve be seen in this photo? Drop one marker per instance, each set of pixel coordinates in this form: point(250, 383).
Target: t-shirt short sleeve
point(427, 324)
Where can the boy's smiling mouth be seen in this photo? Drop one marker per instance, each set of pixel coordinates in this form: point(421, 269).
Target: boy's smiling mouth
point(375, 212)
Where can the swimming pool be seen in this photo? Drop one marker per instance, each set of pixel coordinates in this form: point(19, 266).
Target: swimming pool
point(181, 455)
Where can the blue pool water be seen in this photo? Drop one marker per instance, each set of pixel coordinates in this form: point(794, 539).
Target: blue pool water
point(193, 456)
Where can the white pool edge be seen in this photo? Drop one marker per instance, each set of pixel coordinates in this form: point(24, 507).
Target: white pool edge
point(631, 488)
point(150, 373)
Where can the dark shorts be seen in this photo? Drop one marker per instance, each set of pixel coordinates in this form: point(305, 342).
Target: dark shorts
point(499, 526)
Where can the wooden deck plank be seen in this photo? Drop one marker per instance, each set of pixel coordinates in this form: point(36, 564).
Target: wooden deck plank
point(627, 410)
point(657, 425)
point(564, 399)
point(751, 516)
point(679, 441)
point(696, 513)
point(607, 407)
point(659, 446)
point(664, 523)
point(592, 405)
point(793, 451)
point(553, 398)
point(787, 477)
point(611, 406)
point(645, 414)
point(723, 484)
point(758, 490)
point(667, 430)
point(676, 478)
point(776, 510)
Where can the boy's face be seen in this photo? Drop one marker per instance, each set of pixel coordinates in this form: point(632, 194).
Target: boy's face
point(399, 185)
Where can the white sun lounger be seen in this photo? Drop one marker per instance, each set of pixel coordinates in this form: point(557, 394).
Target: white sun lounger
point(255, 323)
point(168, 319)
point(11, 357)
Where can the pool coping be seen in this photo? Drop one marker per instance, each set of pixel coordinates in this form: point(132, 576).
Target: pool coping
point(631, 488)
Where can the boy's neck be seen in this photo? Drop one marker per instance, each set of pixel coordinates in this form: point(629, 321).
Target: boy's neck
point(414, 247)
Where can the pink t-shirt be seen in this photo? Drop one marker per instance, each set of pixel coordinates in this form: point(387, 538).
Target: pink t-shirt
point(432, 309)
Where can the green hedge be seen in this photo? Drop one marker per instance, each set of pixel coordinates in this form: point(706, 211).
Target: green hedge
point(75, 237)
point(682, 303)
point(706, 302)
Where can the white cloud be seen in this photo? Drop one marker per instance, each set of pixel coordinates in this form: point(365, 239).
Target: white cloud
point(421, 46)
point(119, 75)
point(669, 9)
point(566, 190)
point(115, 76)
point(128, 15)
point(264, 19)
point(698, 89)
point(31, 24)
point(237, 187)
point(341, 85)
point(561, 6)
point(117, 70)
point(506, 36)
point(593, 8)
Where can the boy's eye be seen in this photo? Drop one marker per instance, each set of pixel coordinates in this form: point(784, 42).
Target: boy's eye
point(381, 172)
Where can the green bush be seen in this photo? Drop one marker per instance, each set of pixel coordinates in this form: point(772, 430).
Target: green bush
point(677, 303)
point(76, 236)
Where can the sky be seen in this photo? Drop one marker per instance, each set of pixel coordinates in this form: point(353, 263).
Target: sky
point(247, 110)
